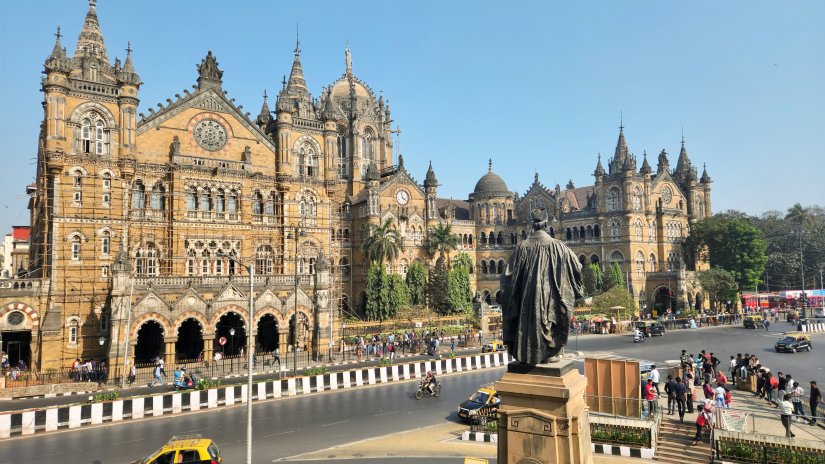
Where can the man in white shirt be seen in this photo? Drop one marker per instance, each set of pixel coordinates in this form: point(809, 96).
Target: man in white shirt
point(654, 376)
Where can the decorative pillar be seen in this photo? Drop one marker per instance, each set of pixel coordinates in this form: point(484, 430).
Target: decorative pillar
point(208, 345)
point(169, 352)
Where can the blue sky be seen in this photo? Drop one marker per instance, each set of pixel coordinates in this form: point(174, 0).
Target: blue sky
point(534, 86)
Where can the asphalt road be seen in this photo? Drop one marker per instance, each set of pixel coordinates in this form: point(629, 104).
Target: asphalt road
point(724, 341)
point(282, 428)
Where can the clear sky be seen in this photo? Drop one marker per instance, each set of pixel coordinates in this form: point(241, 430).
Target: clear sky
point(536, 86)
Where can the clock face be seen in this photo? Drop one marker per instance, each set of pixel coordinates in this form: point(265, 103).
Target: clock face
point(667, 195)
point(402, 197)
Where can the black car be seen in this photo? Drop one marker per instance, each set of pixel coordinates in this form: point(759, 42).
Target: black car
point(793, 343)
point(650, 329)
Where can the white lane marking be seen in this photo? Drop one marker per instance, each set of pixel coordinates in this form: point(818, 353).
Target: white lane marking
point(124, 442)
point(386, 413)
point(335, 423)
point(276, 434)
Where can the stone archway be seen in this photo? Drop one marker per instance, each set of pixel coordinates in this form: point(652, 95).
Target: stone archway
point(190, 339)
point(19, 329)
point(232, 326)
point(149, 343)
point(267, 338)
point(663, 300)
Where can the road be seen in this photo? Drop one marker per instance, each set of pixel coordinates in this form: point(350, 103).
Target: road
point(724, 341)
point(282, 428)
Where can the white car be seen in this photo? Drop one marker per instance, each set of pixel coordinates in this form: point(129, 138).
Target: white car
point(819, 312)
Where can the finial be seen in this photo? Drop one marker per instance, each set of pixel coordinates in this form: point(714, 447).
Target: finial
point(683, 136)
point(490, 165)
point(621, 121)
point(92, 3)
point(283, 81)
point(536, 176)
point(58, 34)
point(348, 59)
point(297, 40)
point(599, 155)
point(264, 94)
point(129, 47)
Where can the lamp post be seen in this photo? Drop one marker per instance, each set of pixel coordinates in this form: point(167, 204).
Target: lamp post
point(249, 350)
point(232, 340)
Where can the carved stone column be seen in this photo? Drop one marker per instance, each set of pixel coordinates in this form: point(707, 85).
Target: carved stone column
point(169, 353)
point(543, 417)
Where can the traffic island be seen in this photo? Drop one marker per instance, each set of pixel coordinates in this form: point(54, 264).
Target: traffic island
point(543, 417)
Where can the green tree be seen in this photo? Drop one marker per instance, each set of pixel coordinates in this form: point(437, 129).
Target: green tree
point(376, 305)
point(592, 279)
point(417, 283)
point(383, 243)
point(439, 288)
point(397, 294)
point(463, 259)
point(613, 278)
point(611, 298)
point(441, 240)
point(733, 244)
point(719, 284)
point(460, 297)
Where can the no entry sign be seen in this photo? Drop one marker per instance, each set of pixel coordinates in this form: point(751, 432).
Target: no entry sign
point(222, 341)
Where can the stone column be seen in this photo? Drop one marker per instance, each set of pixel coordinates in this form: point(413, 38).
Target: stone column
point(169, 352)
point(208, 346)
point(543, 417)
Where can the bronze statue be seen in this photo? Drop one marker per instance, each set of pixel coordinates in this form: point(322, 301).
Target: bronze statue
point(539, 288)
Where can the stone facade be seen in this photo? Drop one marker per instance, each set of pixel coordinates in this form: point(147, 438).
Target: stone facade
point(136, 219)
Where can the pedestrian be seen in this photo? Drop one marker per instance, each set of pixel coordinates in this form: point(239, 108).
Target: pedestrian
point(760, 383)
point(732, 369)
point(783, 383)
point(796, 393)
point(670, 389)
point(689, 396)
point(680, 393)
point(770, 382)
point(654, 376)
point(814, 400)
point(766, 323)
point(683, 361)
point(719, 393)
point(715, 362)
point(132, 373)
point(452, 343)
point(721, 378)
point(702, 422)
point(786, 409)
point(650, 397)
point(707, 389)
point(158, 376)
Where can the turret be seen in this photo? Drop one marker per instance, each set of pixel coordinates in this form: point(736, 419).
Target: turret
point(127, 75)
point(705, 179)
point(645, 166)
point(57, 61)
point(599, 171)
point(265, 116)
point(664, 164)
point(430, 190)
point(283, 105)
point(129, 82)
point(683, 165)
point(617, 164)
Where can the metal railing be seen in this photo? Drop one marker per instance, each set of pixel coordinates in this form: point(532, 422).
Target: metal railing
point(481, 420)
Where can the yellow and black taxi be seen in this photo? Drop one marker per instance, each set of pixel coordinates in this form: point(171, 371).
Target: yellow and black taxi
point(793, 342)
point(486, 398)
point(752, 322)
point(651, 328)
point(493, 346)
point(185, 449)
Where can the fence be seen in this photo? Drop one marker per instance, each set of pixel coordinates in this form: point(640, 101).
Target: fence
point(484, 420)
point(765, 449)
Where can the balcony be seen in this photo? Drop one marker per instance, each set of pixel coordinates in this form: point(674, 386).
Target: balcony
point(286, 281)
point(19, 287)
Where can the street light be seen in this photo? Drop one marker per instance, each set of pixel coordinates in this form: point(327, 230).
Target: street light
point(298, 231)
point(232, 340)
point(101, 341)
point(251, 270)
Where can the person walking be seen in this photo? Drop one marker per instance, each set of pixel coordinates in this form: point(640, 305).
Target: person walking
point(783, 383)
point(689, 396)
point(770, 385)
point(814, 400)
point(702, 422)
point(158, 376)
point(786, 409)
point(671, 394)
point(680, 394)
point(654, 376)
point(719, 393)
point(796, 393)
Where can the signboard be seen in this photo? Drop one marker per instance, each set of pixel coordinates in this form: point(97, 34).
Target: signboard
point(222, 341)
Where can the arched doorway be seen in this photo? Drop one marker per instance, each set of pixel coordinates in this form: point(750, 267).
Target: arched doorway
point(699, 302)
point(663, 300)
point(303, 334)
point(190, 340)
point(487, 297)
point(267, 338)
point(232, 326)
point(149, 344)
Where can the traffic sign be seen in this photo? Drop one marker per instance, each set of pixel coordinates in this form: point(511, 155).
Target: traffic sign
point(222, 341)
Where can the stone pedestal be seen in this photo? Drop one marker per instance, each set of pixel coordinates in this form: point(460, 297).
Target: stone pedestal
point(543, 417)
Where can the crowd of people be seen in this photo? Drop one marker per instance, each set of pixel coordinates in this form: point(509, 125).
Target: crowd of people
point(387, 345)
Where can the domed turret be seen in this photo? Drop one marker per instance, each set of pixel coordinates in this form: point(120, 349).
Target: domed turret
point(490, 185)
point(705, 177)
point(430, 180)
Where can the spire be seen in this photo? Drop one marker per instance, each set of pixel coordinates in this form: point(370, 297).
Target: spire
point(490, 165)
point(599, 168)
point(430, 180)
point(329, 107)
point(297, 85)
point(209, 75)
point(705, 177)
point(401, 162)
point(683, 166)
point(283, 104)
point(90, 41)
point(621, 148)
point(645, 165)
point(264, 116)
point(128, 75)
point(570, 185)
point(348, 60)
point(57, 60)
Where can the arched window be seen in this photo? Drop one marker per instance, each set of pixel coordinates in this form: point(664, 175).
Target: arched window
point(73, 326)
point(263, 260)
point(270, 205)
point(492, 266)
point(500, 239)
point(637, 198)
point(589, 231)
point(594, 259)
point(640, 265)
point(157, 199)
point(651, 231)
point(219, 263)
point(220, 201)
point(343, 158)
point(344, 264)
point(301, 265)
point(614, 199)
point(638, 229)
point(138, 195)
point(105, 242)
point(307, 161)
point(257, 204)
point(597, 231)
point(484, 267)
point(568, 234)
point(575, 233)
point(75, 248)
point(190, 262)
point(232, 207)
point(403, 266)
point(615, 229)
point(146, 260)
point(99, 142)
point(501, 266)
point(368, 140)
point(652, 263)
point(107, 181)
point(581, 232)
point(86, 136)
point(205, 202)
point(482, 238)
point(699, 210)
point(204, 262)
point(191, 199)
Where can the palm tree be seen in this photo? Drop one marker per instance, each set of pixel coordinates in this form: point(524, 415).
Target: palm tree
point(799, 215)
point(383, 242)
point(441, 240)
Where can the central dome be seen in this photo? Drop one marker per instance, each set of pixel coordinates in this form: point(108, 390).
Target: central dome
point(490, 184)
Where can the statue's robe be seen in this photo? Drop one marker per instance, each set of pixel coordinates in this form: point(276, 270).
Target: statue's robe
point(539, 289)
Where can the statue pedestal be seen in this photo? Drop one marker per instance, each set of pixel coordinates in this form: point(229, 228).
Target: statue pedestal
point(543, 417)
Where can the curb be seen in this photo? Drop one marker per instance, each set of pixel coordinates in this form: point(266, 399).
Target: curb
point(50, 419)
point(480, 437)
point(625, 451)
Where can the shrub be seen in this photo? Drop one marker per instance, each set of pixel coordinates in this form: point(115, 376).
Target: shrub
point(317, 370)
point(206, 384)
point(383, 362)
point(106, 396)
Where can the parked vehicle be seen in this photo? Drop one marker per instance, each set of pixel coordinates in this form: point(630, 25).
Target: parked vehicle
point(484, 397)
point(793, 342)
point(185, 448)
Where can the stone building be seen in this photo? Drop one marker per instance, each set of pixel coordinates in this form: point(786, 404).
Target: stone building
point(142, 223)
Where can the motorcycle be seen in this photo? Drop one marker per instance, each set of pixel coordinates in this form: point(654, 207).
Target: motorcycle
point(639, 337)
point(424, 391)
point(187, 382)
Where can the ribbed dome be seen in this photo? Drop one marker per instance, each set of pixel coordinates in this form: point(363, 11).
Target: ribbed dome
point(491, 184)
